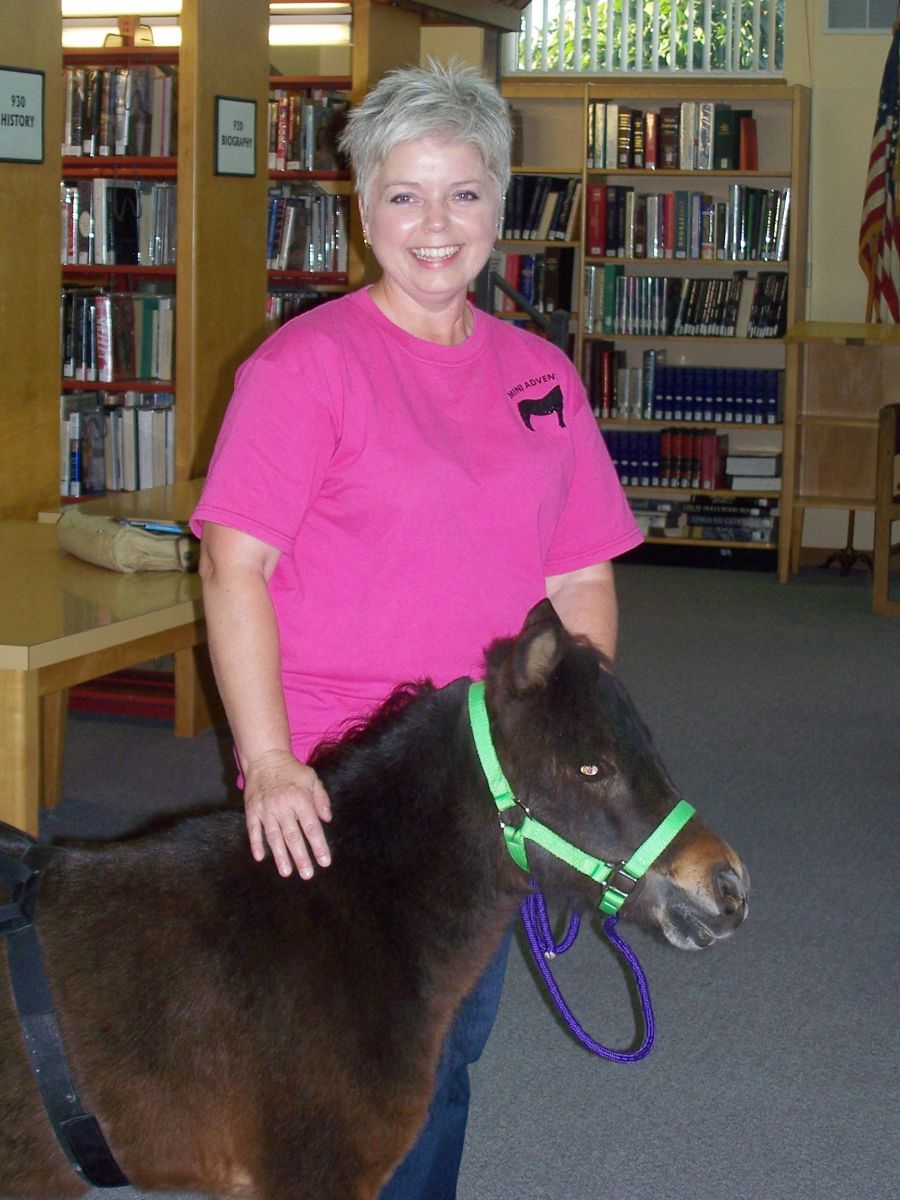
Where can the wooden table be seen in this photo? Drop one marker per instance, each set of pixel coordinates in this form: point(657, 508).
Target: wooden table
point(194, 686)
point(174, 502)
point(64, 621)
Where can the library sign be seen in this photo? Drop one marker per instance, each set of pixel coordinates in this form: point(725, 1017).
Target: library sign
point(21, 115)
point(235, 136)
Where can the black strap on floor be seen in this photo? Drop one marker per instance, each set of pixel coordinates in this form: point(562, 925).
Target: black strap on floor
point(78, 1132)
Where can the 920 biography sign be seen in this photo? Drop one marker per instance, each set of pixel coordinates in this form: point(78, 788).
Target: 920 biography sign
point(21, 115)
point(235, 136)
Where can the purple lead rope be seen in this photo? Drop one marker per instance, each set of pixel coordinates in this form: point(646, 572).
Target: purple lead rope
point(543, 947)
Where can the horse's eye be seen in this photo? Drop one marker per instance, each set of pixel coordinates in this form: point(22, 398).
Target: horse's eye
point(590, 769)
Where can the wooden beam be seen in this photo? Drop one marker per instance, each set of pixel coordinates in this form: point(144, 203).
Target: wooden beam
point(30, 278)
point(487, 13)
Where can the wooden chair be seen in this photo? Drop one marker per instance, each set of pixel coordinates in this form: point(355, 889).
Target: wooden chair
point(887, 508)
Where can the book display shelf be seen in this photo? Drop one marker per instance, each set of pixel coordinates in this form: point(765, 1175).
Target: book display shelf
point(118, 213)
point(841, 375)
point(689, 266)
point(308, 231)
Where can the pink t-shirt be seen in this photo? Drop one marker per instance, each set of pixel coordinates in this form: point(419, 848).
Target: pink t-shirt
point(419, 494)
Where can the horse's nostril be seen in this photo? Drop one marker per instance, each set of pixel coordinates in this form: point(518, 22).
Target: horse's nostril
point(731, 891)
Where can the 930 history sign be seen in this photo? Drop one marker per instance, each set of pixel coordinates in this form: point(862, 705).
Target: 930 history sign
point(21, 115)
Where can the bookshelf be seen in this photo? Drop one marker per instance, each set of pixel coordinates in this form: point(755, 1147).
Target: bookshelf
point(841, 374)
point(220, 276)
point(118, 305)
point(723, 373)
point(309, 209)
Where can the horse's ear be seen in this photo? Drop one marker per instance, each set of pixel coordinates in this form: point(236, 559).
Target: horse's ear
point(538, 648)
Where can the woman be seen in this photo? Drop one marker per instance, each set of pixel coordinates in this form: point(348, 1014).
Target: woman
point(398, 478)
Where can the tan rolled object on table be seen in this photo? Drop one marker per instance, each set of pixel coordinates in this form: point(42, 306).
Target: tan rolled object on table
point(109, 543)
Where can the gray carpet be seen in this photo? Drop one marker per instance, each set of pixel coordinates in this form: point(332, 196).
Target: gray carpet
point(774, 1074)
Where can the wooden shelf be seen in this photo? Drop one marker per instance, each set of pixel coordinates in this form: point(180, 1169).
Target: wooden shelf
point(863, 503)
point(118, 385)
point(309, 176)
point(334, 83)
point(523, 245)
point(682, 338)
point(686, 493)
point(647, 173)
point(320, 279)
point(719, 544)
point(72, 271)
point(638, 423)
point(838, 422)
point(840, 374)
point(84, 166)
point(731, 264)
point(98, 56)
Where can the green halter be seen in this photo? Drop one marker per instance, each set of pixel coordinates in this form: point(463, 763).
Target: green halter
point(617, 879)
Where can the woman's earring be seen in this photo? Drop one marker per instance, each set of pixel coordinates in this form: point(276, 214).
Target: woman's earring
point(366, 241)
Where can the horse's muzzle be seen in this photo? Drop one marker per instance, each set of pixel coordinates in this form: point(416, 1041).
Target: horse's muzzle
point(697, 914)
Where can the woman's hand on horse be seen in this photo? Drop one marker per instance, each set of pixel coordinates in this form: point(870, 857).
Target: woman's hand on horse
point(285, 803)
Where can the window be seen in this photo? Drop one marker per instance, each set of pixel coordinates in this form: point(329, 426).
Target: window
point(725, 37)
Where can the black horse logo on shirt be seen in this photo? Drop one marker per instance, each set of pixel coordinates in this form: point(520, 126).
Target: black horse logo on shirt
point(544, 406)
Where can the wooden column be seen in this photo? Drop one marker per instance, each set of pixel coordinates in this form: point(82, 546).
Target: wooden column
point(221, 283)
point(30, 278)
point(384, 38)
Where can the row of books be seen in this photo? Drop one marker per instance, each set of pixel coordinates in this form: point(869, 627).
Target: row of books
point(695, 135)
point(303, 129)
point(545, 279)
point(117, 442)
point(118, 221)
point(752, 224)
point(654, 391)
point(307, 229)
point(120, 110)
point(710, 518)
point(744, 306)
point(108, 337)
point(676, 458)
point(542, 208)
point(284, 303)
point(679, 457)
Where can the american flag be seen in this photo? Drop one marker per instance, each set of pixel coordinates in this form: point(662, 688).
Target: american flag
point(879, 231)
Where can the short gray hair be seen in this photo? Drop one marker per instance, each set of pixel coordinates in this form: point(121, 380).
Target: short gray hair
point(452, 101)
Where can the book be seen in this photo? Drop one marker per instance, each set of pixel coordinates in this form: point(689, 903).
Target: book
point(122, 234)
point(750, 483)
point(611, 138)
point(703, 158)
point(723, 138)
point(573, 215)
point(628, 118)
point(763, 465)
point(595, 222)
point(651, 140)
point(669, 135)
point(748, 157)
point(687, 135)
point(596, 134)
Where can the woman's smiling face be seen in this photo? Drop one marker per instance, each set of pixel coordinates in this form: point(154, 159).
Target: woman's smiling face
point(431, 217)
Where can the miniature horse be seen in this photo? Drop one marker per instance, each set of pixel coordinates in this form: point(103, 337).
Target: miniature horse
point(242, 1034)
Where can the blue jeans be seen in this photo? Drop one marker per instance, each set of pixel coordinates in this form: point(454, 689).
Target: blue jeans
point(431, 1167)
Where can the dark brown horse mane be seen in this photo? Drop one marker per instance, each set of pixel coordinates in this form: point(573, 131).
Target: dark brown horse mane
point(369, 729)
